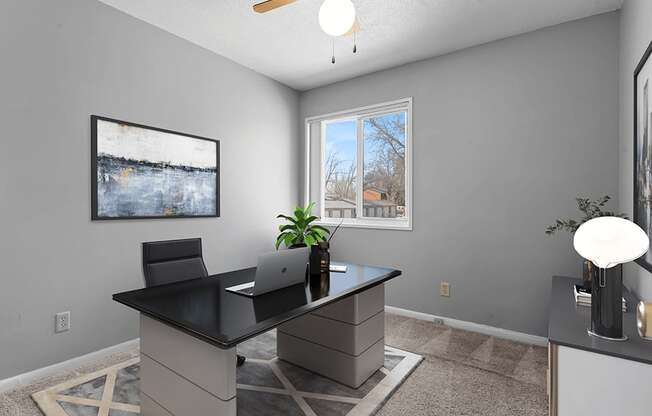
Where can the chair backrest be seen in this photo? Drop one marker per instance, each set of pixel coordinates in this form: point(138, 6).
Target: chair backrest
point(172, 261)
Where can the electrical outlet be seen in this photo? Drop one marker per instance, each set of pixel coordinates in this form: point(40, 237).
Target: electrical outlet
point(62, 322)
point(445, 289)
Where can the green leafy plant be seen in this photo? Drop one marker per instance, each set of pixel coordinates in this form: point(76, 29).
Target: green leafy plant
point(590, 209)
point(300, 230)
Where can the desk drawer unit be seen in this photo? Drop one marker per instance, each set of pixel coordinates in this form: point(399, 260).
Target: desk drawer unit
point(343, 341)
point(183, 376)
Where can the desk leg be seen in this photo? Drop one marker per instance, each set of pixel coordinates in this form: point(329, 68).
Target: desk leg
point(343, 341)
point(183, 376)
point(552, 379)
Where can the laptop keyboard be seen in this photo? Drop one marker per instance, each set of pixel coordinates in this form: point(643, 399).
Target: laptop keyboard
point(246, 290)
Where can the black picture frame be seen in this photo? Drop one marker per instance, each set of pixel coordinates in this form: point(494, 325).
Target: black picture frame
point(94, 172)
point(646, 260)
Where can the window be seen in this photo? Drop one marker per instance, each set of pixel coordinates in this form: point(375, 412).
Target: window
point(358, 166)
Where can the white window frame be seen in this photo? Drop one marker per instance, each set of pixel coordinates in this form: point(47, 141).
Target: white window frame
point(358, 114)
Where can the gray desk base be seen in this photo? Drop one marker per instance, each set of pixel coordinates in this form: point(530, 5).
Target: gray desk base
point(183, 376)
point(343, 341)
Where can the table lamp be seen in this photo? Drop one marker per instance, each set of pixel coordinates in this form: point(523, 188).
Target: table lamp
point(608, 242)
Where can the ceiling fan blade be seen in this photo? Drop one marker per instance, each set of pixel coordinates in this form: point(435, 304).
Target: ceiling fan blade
point(269, 5)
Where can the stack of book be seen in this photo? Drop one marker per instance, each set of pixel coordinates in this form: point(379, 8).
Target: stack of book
point(583, 297)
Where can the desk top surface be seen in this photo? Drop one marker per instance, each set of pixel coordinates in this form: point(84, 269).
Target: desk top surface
point(204, 309)
point(568, 323)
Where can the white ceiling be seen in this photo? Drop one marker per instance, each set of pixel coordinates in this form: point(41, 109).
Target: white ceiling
point(288, 45)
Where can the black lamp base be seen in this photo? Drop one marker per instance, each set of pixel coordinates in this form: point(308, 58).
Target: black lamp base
point(593, 334)
point(607, 304)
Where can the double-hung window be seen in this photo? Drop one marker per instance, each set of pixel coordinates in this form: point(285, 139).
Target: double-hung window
point(358, 166)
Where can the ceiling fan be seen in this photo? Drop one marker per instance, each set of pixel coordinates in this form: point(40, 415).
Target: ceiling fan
point(336, 17)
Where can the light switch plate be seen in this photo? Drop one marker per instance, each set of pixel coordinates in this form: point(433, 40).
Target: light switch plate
point(62, 322)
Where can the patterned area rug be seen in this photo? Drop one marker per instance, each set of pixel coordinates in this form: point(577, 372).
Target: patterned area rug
point(266, 385)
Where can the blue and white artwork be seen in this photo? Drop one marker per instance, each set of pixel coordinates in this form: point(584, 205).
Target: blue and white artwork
point(143, 172)
point(643, 151)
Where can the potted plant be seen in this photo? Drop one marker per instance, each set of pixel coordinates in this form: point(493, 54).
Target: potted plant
point(590, 209)
point(300, 230)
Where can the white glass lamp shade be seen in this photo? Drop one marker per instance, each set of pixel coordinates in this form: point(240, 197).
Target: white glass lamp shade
point(336, 17)
point(610, 241)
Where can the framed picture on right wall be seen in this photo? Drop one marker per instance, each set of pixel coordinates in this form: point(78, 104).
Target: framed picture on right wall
point(643, 149)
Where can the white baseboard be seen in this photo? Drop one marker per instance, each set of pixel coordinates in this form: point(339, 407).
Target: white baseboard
point(27, 378)
point(472, 326)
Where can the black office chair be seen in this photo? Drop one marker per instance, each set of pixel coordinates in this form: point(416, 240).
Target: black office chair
point(174, 261)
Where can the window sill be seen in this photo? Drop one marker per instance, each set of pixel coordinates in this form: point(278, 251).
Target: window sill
point(385, 224)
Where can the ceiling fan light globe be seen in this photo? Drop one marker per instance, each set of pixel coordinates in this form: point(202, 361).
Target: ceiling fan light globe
point(336, 17)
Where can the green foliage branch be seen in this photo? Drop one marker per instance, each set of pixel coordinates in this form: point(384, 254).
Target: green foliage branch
point(300, 228)
point(590, 209)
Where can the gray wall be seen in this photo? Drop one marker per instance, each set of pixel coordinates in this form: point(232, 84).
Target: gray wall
point(64, 60)
point(506, 135)
point(635, 36)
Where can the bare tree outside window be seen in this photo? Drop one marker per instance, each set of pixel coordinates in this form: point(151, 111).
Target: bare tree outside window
point(384, 166)
point(340, 169)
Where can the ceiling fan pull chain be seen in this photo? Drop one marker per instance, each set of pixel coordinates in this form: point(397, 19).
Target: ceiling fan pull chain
point(355, 43)
point(333, 57)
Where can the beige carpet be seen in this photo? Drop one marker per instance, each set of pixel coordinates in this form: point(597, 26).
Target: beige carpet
point(463, 373)
point(466, 373)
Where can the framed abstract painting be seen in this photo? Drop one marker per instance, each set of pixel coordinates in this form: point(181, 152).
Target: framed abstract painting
point(140, 172)
point(643, 149)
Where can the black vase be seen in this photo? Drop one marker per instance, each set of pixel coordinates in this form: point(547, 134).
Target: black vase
point(320, 276)
point(607, 304)
point(320, 258)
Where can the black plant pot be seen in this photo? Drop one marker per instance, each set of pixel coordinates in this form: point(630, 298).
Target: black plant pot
point(607, 304)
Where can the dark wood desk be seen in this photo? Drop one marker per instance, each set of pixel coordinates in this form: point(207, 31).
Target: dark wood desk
point(189, 331)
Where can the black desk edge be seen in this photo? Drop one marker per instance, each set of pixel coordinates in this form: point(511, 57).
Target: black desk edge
point(261, 327)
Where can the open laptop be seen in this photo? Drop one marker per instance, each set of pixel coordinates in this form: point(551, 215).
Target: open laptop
point(275, 271)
